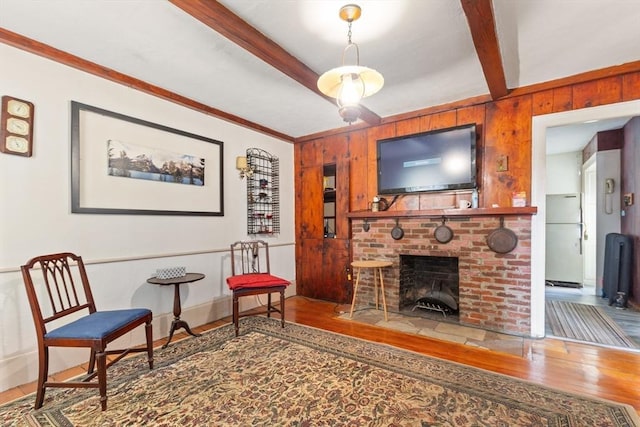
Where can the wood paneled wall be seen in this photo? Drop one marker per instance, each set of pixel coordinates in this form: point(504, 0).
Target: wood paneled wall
point(504, 130)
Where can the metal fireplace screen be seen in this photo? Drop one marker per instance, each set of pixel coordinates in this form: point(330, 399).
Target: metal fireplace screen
point(429, 283)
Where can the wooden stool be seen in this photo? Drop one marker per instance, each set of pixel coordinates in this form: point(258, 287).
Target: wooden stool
point(375, 264)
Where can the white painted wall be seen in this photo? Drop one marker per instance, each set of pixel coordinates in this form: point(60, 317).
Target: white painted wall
point(590, 216)
point(121, 251)
point(608, 164)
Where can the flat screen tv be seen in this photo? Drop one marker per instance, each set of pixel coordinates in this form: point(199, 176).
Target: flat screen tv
point(439, 160)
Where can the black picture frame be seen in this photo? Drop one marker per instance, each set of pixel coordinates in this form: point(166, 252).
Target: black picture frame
point(94, 191)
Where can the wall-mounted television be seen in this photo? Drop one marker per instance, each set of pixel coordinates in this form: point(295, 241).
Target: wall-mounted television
point(439, 160)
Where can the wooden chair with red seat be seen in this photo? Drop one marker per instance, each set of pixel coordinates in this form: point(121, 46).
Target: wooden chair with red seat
point(65, 315)
point(251, 275)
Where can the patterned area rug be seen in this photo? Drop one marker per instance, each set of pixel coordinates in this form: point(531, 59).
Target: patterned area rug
point(300, 376)
point(583, 322)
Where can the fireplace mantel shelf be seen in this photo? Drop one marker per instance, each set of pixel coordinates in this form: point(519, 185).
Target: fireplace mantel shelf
point(435, 213)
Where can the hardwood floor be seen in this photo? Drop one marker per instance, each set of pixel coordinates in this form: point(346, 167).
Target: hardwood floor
point(579, 368)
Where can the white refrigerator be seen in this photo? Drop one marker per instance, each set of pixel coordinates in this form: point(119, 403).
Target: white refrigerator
point(564, 255)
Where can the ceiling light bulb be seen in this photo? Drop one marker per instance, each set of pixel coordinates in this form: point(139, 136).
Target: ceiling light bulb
point(351, 90)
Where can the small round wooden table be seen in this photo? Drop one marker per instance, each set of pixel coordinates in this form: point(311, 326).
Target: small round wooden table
point(177, 323)
point(377, 265)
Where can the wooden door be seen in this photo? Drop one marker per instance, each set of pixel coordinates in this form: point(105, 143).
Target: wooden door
point(322, 263)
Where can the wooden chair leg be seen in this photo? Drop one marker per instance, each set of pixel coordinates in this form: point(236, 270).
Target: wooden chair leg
point(269, 304)
point(384, 301)
point(102, 378)
point(282, 307)
point(148, 329)
point(236, 314)
point(375, 287)
point(92, 362)
point(43, 372)
point(355, 292)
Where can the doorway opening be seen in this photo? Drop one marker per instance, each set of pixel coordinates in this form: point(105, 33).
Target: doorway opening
point(540, 127)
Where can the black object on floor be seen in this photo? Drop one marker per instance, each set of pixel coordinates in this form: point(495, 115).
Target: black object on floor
point(617, 266)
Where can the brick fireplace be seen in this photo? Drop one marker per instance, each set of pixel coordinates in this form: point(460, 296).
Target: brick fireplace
point(494, 289)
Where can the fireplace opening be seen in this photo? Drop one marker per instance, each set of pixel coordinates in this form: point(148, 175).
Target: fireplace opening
point(429, 286)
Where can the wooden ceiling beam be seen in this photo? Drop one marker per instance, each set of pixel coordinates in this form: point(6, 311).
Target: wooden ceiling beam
point(222, 20)
point(483, 31)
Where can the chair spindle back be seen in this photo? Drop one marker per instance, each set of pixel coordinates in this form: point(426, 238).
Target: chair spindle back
point(250, 257)
point(63, 292)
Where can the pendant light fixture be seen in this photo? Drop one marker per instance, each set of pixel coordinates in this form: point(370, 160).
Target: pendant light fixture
point(350, 83)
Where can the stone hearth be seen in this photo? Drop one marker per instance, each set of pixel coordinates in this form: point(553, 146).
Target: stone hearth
point(494, 289)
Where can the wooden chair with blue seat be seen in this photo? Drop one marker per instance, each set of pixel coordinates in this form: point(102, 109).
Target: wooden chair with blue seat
point(251, 275)
point(65, 315)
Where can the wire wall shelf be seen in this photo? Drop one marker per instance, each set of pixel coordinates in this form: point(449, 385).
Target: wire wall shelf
point(263, 192)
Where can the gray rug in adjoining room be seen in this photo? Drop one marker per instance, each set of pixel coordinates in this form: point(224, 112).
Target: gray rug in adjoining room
point(588, 323)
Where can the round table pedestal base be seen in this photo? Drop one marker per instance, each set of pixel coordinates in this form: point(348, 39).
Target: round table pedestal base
point(177, 324)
